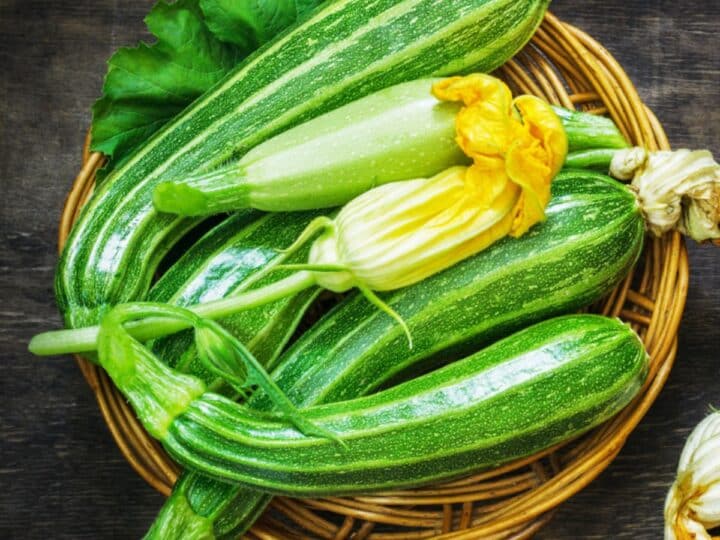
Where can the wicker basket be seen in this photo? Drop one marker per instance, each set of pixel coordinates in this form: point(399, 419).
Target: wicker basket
point(566, 67)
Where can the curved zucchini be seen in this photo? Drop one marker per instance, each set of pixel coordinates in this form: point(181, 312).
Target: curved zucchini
point(541, 386)
point(342, 52)
point(593, 235)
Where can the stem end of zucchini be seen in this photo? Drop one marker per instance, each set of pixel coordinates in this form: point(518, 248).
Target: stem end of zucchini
point(181, 199)
point(64, 341)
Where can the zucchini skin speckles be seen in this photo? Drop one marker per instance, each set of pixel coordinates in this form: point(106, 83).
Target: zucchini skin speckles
point(543, 385)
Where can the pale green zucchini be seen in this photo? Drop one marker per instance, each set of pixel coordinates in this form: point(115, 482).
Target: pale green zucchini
point(398, 133)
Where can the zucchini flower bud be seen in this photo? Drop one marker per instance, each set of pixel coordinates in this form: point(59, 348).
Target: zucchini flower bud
point(693, 503)
point(676, 190)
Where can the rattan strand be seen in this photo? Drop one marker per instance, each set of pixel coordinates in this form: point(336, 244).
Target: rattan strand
point(567, 67)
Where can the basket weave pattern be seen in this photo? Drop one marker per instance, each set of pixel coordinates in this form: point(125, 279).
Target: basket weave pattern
point(566, 67)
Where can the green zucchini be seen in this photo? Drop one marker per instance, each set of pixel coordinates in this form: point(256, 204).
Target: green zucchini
point(592, 236)
point(541, 386)
point(341, 53)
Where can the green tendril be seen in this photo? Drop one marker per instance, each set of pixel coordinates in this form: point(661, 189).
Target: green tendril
point(375, 300)
point(310, 267)
point(314, 227)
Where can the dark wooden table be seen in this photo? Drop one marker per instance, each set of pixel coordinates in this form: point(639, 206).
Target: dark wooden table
point(61, 475)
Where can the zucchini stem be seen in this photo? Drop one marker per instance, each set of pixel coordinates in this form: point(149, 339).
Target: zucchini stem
point(589, 131)
point(596, 159)
point(85, 339)
point(159, 393)
point(217, 191)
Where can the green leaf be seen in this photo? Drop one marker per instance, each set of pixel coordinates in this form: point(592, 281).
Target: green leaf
point(251, 23)
point(148, 85)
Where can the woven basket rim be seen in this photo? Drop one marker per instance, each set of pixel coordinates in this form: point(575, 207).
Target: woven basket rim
point(567, 67)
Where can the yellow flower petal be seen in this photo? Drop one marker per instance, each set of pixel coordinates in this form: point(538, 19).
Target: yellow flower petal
point(486, 180)
point(545, 126)
point(483, 125)
point(529, 173)
point(534, 157)
point(520, 140)
point(472, 89)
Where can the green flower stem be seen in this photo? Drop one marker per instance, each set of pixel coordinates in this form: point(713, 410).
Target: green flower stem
point(83, 340)
point(158, 393)
point(596, 159)
point(587, 131)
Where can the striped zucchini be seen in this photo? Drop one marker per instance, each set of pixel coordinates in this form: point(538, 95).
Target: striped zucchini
point(342, 52)
point(541, 386)
point(592, 236)
point(229, 259)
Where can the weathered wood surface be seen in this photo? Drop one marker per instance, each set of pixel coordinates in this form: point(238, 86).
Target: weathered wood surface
point(61, 475)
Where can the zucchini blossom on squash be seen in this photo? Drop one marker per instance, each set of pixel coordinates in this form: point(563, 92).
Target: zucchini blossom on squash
point(519, 141)
point(400, 233)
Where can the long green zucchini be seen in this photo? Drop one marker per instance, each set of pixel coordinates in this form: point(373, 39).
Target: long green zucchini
point(592, 236)
point(342, 52)
point(541, 386)
point(546, 384)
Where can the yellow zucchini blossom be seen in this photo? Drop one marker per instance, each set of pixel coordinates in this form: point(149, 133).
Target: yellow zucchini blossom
point(400, 233)
point(519, 141)
point(692, 506)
